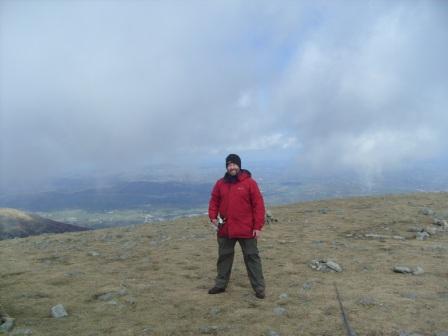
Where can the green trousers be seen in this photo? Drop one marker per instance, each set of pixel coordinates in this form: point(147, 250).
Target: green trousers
point(226, 252)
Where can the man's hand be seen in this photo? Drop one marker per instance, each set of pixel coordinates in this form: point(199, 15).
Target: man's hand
point(215, 224)
point(256, 233)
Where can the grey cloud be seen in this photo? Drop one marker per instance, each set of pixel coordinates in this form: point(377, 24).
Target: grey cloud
point(109, 84)
point(366, 91)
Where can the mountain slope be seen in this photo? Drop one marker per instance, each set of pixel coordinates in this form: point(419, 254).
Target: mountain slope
point(15, 223)
point(152, 279)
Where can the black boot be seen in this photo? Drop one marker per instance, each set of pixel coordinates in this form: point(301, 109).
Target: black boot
point(216, 290)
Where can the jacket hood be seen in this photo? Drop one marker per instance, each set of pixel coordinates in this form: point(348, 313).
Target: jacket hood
point(242, 175)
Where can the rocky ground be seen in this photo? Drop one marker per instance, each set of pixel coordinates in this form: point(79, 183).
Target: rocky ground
point(387, 255)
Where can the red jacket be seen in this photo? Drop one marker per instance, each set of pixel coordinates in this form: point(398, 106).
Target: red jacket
point(240, 204)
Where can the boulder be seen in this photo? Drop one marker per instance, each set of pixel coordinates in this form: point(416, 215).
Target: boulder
point(402, 269)
point(7, 325)
point(58, 311)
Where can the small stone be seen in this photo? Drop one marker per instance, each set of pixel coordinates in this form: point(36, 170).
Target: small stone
point(214, 311)
point(427, 211)
point(439, 222)
point(93, 254)
point(316, 265)
point(431, 230)
point(418, 271)
point(411, 296)
point(307, 285)
point(283, 296)
point(367, 301)
point(441, 333)
point(209, 330)
point(408, 333)
point(106, 297)
point(323, 211)
point(21, 332)
point(147, 331)
point(422, 235)
point(375, 236)
point(334, 266)
point(58, 311)
point(271, 332)
point(402, 269)
point(280, 311)
point(7, 325)
point(131, 300)
point(270, 218)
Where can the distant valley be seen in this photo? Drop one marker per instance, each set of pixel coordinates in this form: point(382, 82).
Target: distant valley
point(128, 202)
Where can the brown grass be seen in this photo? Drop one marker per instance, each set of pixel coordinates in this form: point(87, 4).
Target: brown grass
point(158, 275)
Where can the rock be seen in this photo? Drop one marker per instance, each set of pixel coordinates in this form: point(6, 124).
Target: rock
point(323, 211)
point(408, 333)
point(147, 330)
point(93, 254)
point(307, 285)
point(280, 311)
point(374, 235)
point(407, 270)
point(431, 230)
point(73, 274)
point(209, 330)
point(7, 325)
point(427, 211)
point(367, 301)
point(269, 218)
point(441, 333)
point(21, 331)
point(271, 332)
point(131, 300)
point(398, 238)
point(283, 296)
point(402, 269)
point(214, 311)
point(325, 266)
point(107, 296)
point(422, 235)
point(418, 270)
point(410, 295)
point(316, 265)
point(58, 311)
point(334, 266)
point(440, 222)
point(443, 295)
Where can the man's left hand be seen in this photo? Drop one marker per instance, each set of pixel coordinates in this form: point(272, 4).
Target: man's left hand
point(256, 233)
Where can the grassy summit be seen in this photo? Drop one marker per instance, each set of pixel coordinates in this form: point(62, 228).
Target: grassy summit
point(152, 279)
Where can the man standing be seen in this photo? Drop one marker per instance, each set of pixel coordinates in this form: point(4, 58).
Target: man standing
point(236, 199)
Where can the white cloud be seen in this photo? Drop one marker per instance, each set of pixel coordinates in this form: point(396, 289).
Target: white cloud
point(105, 84)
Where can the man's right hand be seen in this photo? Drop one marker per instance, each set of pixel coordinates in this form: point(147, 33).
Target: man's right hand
point(215, 224)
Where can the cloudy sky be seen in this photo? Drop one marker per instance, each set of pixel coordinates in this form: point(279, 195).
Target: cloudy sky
point(112, 85)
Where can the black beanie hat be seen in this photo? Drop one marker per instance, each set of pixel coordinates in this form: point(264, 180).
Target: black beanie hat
point(233, 158)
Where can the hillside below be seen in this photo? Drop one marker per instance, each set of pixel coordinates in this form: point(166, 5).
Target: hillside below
point(152, 279)
point(18, 224)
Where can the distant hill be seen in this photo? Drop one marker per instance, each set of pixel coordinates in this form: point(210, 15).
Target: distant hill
point(15, 223)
